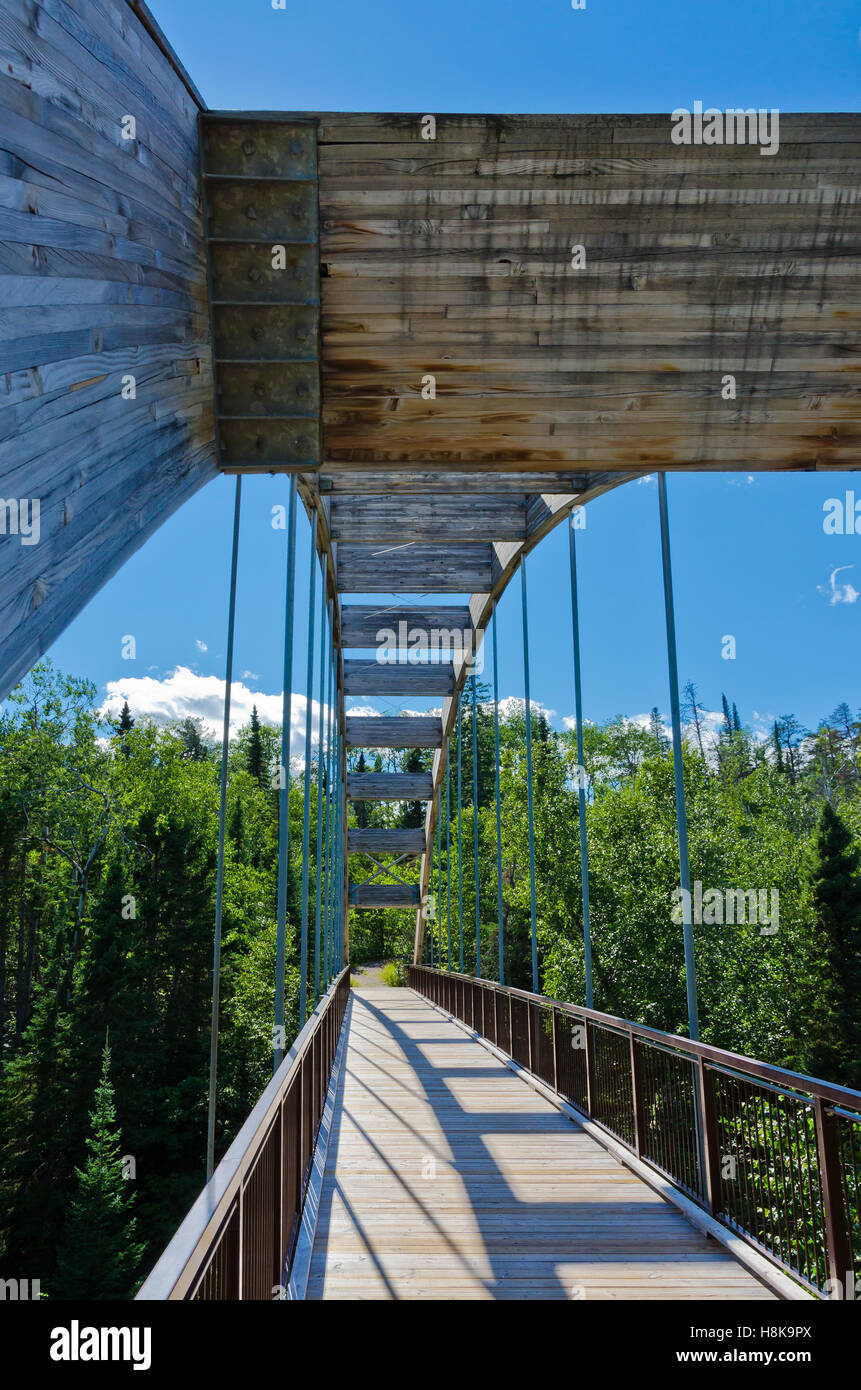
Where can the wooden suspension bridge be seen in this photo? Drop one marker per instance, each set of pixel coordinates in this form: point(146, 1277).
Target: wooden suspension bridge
point(448, 332)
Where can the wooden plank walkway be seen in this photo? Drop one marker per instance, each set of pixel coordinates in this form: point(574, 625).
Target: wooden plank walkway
point(450, 1177)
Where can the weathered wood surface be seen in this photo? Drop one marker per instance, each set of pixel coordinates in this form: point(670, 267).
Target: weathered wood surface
point(451, 257)
point(448, 1177)
point(361, 624)
point(414, 731)
point(398, 678)
point(430, 518)
point(387, 841)
point(102, 278)
point(389, 786)
point(412, 568)
point(370, 895)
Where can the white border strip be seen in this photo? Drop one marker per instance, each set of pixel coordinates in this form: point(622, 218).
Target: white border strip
point(301, 1268)
point(785, 1287)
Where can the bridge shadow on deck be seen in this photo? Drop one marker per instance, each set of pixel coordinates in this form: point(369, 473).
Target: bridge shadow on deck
point(450, 1177)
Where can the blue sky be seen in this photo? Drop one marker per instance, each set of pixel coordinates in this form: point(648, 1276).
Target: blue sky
point(751, 558)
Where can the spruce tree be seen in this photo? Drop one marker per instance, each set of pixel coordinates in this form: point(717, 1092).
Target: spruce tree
point(124, 723)
point(101, 1254)
point(411, 816)
point(835, 1048)
point(191, 733)
point(361, 807)
point(256, 756)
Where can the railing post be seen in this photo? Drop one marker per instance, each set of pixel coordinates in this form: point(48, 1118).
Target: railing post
point(637, 1095)
point(590, 1070)
point(711, 1177)
point(830, 1160)
point(555, 1059)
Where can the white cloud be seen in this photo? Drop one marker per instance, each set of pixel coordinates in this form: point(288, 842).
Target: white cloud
point(250, 676)
point(511, 705)
point(184, 693)
point(839, 593)
point(201, 646)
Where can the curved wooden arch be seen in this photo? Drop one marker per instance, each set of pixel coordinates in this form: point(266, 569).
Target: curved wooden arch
point(424, 351)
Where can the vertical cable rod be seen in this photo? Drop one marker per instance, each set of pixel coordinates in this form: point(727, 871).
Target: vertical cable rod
point(678, 766)
point(533, 914)
point(499, 916)
point(306, 802)
point(581, 771)
point(222, 823)
point(459, 834)
point(284, 781)
point(448, 850)
point(475, 824)
point(318, 963)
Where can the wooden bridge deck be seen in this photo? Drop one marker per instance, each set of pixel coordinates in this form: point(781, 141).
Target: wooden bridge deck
point(450, 1177)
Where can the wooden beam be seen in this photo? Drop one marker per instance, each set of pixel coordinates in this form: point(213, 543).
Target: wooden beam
point(361, 624)
point(405, 731)
point(384, 678)
point(389, 786)
point(388, 841)
point(441, 569)
point(390, 480)
point(428, 518)
point(384, 895)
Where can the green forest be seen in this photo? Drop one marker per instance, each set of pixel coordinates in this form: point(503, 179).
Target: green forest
point(108, 840)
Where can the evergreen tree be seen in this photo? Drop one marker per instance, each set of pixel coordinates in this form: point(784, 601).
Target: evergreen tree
point(835, 1048)
point(256, 756)
point(411, 816)
point(191, 733)
point(101, 1253)
point(778, 746)
point(656, 729)
point(361, 807)
point(125, 721)
point(123, 724)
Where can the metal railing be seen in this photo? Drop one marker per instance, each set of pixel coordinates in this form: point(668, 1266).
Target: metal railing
point(771, 1154)
point(238, 1240)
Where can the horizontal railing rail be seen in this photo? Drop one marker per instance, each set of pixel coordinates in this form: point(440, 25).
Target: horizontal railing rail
point(772, 1154)
point(238, 1240)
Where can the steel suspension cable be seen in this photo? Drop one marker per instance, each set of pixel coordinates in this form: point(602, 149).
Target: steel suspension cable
point(499, 917)
point(475, 823)
point(448, 850)
point(222, 824)
point(459, 835)
point(319, 854)
point(306, 804)
point(678, 766)
point(439, 873)
point(284, 781)
point(331, 666)
point(529, 795)
point(581, 772)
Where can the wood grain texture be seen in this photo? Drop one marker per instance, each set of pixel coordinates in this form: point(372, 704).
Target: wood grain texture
point(387, 841)
point(416, 731)
point(389, 786)
point(388, 895)
point(378, 678)
point(102, 277)
point(452, 257)
point(448, 1177)
point(361, 624)
point(413, 568)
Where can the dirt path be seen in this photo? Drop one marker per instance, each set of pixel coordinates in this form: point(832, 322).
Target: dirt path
point(369, 976)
